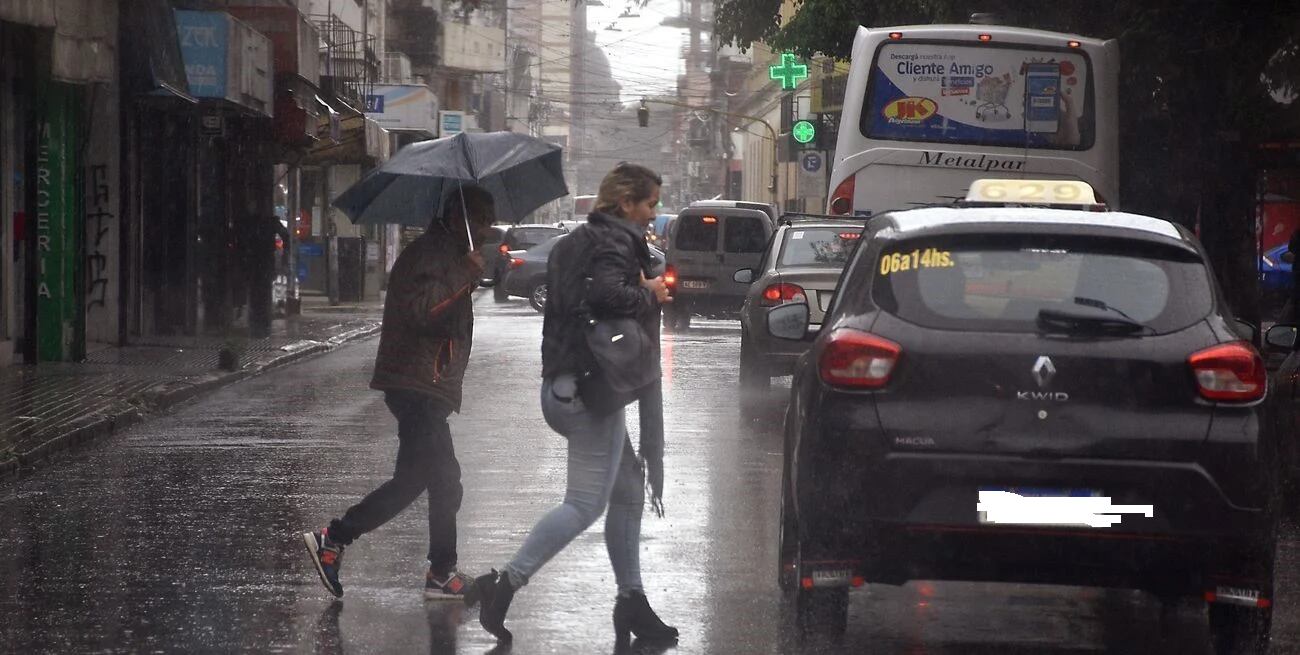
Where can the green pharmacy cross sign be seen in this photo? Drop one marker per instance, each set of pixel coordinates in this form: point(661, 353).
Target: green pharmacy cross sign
point(789, 72)
point(804, 131)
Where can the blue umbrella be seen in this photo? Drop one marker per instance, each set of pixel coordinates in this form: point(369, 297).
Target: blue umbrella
point(521, 172)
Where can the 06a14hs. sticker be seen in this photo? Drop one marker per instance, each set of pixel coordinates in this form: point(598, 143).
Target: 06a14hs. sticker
point(915, 260)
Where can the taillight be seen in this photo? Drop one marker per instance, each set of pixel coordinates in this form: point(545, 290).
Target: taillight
point(776, 294)
point(670, 276)
point(842, 199)
point(1232, 372)
point(504, 248)
point(516, 262)
point(857, 360)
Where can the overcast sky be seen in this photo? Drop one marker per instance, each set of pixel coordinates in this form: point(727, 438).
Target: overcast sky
point(645, 56)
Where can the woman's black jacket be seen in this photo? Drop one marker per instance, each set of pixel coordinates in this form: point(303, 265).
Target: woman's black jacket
point(612, 252)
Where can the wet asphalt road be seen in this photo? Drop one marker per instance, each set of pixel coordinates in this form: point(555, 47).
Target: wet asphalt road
point(181, 534)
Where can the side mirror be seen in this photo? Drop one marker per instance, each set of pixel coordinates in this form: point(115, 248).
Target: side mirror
point(789, 321)
point(744, 276)
point(1282, 337)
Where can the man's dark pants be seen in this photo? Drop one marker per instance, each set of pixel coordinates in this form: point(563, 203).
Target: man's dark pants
point(426, 461)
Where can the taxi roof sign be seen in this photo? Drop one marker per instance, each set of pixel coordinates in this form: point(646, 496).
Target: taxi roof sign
point(1071, 193)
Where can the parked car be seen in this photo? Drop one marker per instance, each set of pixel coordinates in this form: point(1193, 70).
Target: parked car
point(988, 373)
point(490, 249)
point(1282, 351)
point(526, 277)
point(802, 264)
point(706, 246)
point(657, 232)
point(1274, 271)
point(517, 237)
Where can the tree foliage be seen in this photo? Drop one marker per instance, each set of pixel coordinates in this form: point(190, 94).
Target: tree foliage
point(1199, 87)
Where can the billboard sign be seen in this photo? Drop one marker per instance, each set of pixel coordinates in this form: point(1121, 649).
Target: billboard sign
point(993, 96)
point(204, 38)
point(451, 122)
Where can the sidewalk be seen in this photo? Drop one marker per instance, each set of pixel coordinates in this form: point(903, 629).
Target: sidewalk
point(51, 407)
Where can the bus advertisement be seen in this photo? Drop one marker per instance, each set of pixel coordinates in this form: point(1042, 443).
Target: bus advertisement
point(938, 106)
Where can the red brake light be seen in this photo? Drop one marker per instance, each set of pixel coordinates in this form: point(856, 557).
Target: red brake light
point(776, 294)
point(1232, 372)
point(516, 262)
point(857, 360)
point(1074, 44)
point(670, 276)
point(850, 236)
point(842, 199)
point(895, 35)
point(504, 248)
point(710, 219)
point(986, 37)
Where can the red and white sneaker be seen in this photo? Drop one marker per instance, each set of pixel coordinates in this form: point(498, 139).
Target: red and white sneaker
point(456, 586)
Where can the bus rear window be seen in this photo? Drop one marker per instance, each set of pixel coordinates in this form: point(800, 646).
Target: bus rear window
point(989, 96)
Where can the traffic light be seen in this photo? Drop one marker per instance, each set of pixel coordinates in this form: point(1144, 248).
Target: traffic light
point(643, 115)
point(828, 130)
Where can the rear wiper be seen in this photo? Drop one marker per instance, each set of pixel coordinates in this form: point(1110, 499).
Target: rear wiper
point(1101, 304)
point(1056, 320)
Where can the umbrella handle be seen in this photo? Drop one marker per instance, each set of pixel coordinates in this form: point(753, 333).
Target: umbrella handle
point(464, 214)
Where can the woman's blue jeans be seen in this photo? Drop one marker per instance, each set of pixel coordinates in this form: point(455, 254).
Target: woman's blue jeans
point(603, 470)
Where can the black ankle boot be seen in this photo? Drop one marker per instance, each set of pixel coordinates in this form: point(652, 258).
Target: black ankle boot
point(632, 613)
point(495, 594)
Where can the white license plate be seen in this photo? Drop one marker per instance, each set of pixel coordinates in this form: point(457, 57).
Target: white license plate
point(1025, 514)
point(694, 284)
point(831, 577)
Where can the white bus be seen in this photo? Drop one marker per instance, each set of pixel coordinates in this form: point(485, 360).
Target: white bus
point(930, 108)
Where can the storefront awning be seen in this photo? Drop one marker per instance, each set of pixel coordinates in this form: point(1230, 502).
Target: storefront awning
point(360, 141)
point(152, 63)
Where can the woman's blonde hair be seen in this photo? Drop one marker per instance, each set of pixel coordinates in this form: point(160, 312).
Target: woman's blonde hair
point(626, 182)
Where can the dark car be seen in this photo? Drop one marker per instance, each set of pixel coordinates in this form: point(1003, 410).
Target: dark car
point(1282, 343)
point(517, 237)
point(526, 272)
point(994, 385)
point(802, 263)
point(525, 275)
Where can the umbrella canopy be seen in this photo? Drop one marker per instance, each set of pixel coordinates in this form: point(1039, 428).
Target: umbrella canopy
point(521, 172)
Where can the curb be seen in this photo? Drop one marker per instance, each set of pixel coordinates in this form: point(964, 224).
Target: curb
point(163, 397)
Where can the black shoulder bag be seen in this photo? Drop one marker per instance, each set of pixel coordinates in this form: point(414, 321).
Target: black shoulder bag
point(623, 356)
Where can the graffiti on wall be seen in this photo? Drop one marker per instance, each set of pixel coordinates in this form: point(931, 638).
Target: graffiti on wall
point(98, 221)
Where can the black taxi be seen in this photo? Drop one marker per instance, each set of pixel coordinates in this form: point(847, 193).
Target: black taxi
point(1012, 390)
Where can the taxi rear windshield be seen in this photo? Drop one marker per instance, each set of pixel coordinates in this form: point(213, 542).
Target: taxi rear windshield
point(1001, 285)
point(818, 246)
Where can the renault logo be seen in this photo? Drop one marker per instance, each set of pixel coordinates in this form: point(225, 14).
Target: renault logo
point(1044, 371)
